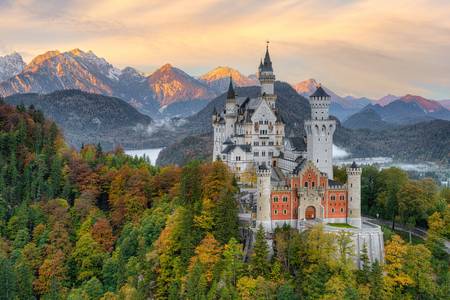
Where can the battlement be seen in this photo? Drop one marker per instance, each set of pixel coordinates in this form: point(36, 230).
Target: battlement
point(354, 171)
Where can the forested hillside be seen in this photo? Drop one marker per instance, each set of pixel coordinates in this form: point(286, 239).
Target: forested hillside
point(102, 225)
point(91, 118)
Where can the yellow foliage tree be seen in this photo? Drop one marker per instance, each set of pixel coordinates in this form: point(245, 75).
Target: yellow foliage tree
point(396, 279)
point(208, 253)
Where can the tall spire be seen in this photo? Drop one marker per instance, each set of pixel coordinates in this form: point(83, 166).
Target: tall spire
point(231, 94)
point(267, 62)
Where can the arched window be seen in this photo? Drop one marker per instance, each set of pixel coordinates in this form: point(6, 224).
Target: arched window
point(306, 184)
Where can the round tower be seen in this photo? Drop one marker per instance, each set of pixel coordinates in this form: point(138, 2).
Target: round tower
point(319, 132)
point(354, 195)
point(320, 103)
point(263, 215)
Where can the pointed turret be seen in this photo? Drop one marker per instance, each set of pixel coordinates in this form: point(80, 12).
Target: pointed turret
point(267, 79)
point(320, 92)
point(231, 94)
point(267, 66)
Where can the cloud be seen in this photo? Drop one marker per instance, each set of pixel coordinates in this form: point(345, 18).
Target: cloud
point(365, 48)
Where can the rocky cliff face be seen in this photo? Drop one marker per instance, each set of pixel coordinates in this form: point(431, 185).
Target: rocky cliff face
point(170, 85)
point(218, 79)
point(10, 65)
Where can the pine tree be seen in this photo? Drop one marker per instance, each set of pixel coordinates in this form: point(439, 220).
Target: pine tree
point(376, 282)
point(25, 279)
point(7, 280)
point(363, 273)
point(259, 261)
point(226, 217)
point(196, 284)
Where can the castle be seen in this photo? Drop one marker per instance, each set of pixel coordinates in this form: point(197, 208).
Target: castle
point(294, 175)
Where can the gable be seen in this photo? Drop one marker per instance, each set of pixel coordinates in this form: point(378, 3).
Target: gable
point(264, 112)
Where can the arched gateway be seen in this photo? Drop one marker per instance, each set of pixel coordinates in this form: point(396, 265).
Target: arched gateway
point(310, 213)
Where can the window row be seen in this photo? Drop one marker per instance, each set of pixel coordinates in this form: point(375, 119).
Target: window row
point(284, 198)
point(275, 211)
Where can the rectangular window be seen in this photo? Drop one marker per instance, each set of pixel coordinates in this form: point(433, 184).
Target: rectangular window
point(333, 197)
point(263, 153)
point(255, 143)
point(238, 158)
point(270, 154)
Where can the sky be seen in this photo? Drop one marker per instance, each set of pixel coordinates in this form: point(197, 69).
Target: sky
point(360, 48)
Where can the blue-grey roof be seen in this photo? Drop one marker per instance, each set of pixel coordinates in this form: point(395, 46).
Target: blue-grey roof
point(320, 92)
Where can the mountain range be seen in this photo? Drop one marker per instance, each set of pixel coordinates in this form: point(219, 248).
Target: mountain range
point(158, 95)
point(405, 110)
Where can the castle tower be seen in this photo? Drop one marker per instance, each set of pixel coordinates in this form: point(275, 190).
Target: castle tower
point(267, 79)
point(218, 134)
point(263, 215)
point(230, 111)
point(319, 132)
point(354, 195)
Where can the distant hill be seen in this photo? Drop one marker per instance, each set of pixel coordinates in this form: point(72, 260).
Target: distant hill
point(445, 103)
point(219, 78)
point(91, 118)
point(368, 118)
point(424, 141)
point(383, 101)
point(406, 110)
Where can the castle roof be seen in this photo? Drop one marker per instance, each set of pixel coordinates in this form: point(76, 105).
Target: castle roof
point(333, 183)
point(267, 65)
point(297, 143)
point(231, 94)
point(320, 92)
point(230, 148)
